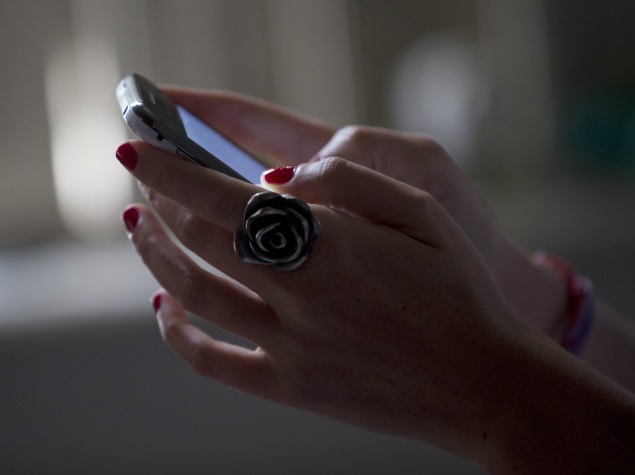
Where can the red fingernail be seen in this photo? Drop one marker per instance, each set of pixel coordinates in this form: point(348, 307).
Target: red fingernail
point(127, 155)
point(156, 302)
point(279, 175)
point(131, 218)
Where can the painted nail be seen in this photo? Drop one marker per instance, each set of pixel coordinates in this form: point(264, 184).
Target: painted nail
point(156, 302)
point(131, 218)
point(279, 175)
point(127, 155)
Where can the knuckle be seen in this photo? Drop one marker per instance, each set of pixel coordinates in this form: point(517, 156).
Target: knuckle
point(360, 143)
point(430, 145)
point(199, 356)
point(359, 135)
point(170, 332)
point(426, 200)
point(428, 205)
point(189, 228)
point(149, 193)
point(202, 361)
point(190, 291)
point(224, 210)
point(331, 166)
point(147, 241)
point(160, 179)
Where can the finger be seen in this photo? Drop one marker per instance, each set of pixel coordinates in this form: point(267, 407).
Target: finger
point(261, 127)
point(212, 243)
point(365, 193)
point(389, 152)
point(361, 144)
point(210, 194)
point(243, 369)
point(213, 298)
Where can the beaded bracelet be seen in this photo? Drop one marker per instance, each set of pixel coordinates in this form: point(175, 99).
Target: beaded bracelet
point(580, 303)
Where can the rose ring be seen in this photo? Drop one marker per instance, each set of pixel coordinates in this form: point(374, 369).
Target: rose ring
point(277, 231)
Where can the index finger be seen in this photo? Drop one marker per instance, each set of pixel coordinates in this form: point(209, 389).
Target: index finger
point(263, 128)
point(212, 195)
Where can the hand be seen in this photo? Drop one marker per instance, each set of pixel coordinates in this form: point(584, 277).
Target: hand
point(283, 137)
point(288, 138)
point(435, 355)
point(377, 328)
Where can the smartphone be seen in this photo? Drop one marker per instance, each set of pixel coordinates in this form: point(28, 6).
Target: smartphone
point(157, 120)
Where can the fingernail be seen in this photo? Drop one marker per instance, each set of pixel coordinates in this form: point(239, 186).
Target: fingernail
point(156, 302)
point(127, 156)
point(131, 218)
point(279, 175)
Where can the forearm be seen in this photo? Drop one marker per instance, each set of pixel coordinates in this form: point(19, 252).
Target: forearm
point(564, 417)
point(611, 346)
point(539, 296)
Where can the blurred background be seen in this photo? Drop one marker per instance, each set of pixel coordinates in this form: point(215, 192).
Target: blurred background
point(534, 98)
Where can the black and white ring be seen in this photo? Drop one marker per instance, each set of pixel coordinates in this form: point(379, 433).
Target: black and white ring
point(277, 231)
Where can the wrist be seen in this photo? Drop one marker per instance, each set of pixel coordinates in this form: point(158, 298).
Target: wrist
point(536, 293)
point(580, 307)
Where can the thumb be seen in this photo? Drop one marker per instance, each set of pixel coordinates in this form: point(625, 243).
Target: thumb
point(364, 193)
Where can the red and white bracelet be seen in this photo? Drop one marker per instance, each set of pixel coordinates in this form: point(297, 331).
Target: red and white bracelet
point(580, 309)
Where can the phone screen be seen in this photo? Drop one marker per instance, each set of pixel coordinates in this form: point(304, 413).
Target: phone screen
point(219, 146)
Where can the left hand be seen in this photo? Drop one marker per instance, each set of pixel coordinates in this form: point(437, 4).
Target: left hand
point(284, 137)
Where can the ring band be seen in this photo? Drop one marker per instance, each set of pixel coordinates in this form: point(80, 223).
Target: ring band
point(277, 231)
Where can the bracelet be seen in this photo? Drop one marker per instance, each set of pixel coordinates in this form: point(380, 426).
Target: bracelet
point(580, 303)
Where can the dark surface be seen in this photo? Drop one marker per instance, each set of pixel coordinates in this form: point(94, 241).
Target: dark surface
point(114, 399)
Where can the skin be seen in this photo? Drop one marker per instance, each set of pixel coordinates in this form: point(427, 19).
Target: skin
point(439, 354)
